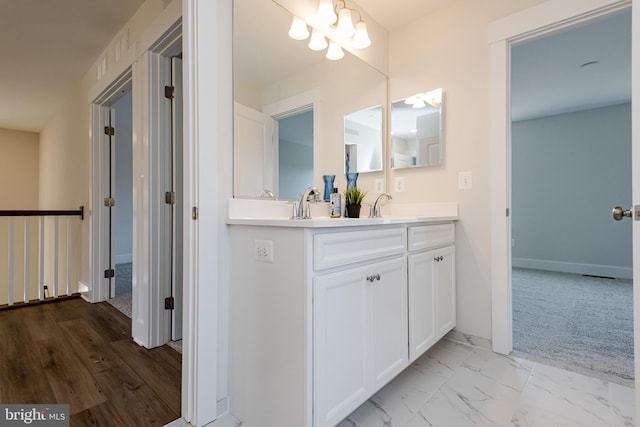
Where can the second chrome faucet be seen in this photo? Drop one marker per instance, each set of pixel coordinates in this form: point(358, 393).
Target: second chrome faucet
point(375, 209)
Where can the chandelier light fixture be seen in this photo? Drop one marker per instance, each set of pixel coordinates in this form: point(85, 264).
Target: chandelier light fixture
point(340, 19)
point(420, 100)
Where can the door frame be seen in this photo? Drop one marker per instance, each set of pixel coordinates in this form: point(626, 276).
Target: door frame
point(547, 17)
point(100, 178)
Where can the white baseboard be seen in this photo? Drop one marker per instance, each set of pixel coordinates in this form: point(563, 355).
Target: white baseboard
point(124, 258)
point(574, 267)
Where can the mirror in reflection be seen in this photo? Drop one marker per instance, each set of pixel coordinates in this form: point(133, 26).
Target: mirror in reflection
point(363, 140)
point(416, 130)
point(276, 77)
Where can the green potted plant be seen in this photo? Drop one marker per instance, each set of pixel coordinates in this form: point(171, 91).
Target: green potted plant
point(353, 200)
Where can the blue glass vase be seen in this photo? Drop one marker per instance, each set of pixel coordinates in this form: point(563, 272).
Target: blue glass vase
point(328, 186)
point(352, 178)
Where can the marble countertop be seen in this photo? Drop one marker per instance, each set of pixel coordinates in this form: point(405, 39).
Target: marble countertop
point(325, 222)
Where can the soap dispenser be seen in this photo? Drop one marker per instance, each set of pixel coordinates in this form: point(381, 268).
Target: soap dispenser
point(336, 207)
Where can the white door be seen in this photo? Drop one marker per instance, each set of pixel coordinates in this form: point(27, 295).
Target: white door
point(444, 277)
point(253, 143)
point(388, 320)
point(422, 300)
point(178, 209)
point(340, 316)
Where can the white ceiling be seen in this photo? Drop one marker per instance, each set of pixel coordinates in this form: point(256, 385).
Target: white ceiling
point(48, 47)
point(549, 75)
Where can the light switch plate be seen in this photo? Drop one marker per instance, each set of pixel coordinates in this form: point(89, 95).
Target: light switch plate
point(379, 186)
point(465, 180)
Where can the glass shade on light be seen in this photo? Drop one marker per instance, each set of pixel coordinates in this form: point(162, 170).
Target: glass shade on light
point(361, 39)
point(345, 24)
point(317, 42)
point(298, 30)
point(335, 51)
point(419, 103)
point(326, 15)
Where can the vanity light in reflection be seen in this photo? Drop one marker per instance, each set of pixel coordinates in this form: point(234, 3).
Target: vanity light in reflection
point(326, 15)
point(317, 41)
point(298, 30)
point(335, 51)
point(338, 22)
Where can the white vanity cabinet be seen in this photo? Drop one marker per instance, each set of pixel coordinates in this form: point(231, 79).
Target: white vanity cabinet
point(360, 316)
point(332, 314)
point(432, 286)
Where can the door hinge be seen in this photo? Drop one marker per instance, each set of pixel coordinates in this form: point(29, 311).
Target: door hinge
point(109, 202)
point(109, 273)
point(169, 303)
point(169, 92)
point(194, 213)
point(109, 130)
point(170, 197)
point(507, 211)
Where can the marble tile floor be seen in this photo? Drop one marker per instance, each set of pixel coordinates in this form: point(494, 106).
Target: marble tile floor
point(458, 385)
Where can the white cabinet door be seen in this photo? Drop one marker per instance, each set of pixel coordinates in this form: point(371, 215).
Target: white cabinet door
point(446, 289)
point(388, 321)
point(360, 336)
point(422, 303)
point(341, 380)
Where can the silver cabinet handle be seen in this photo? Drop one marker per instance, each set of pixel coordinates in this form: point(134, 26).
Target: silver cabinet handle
point(372, 278)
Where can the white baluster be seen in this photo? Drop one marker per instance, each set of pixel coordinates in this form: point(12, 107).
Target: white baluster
point(56, 250)
point(27, 256)
point(10, 261)
point(41, 261)
point(69, 243)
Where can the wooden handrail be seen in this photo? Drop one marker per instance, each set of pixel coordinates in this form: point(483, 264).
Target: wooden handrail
point(79, 212)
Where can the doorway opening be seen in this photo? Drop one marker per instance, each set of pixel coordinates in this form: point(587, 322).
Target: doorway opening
point(295, 153)
point(572, 300)
point(120, 292)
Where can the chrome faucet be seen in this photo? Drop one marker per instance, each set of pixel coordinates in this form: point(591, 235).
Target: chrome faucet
point(375, 209)
point(304, 210)
point(267, 194)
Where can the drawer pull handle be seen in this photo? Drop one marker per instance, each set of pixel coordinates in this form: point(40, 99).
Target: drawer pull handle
point(373, 278)
point(438, 258)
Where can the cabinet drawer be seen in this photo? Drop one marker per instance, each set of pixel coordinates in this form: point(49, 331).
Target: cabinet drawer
point(336, 249)
point(430, 236)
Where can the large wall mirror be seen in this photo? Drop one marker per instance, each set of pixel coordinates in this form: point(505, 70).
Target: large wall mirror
point(416, 130)
point(290, 105)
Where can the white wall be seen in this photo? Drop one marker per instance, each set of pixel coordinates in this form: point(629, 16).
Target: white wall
point(19, 157)
point(65, 175)
point(124, 180)
point(19, 161)
point(449, 49)
point(568, 171)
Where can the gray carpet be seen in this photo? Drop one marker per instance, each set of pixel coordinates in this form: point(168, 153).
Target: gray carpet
point(575, 322)
point(122, 300)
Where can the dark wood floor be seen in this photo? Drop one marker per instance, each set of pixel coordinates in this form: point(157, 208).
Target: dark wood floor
point(82, 354)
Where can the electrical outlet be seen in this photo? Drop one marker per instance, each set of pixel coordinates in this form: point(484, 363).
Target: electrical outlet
point(465, 180)
point(379, 186)
point(399, 184)
point(263, 251)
